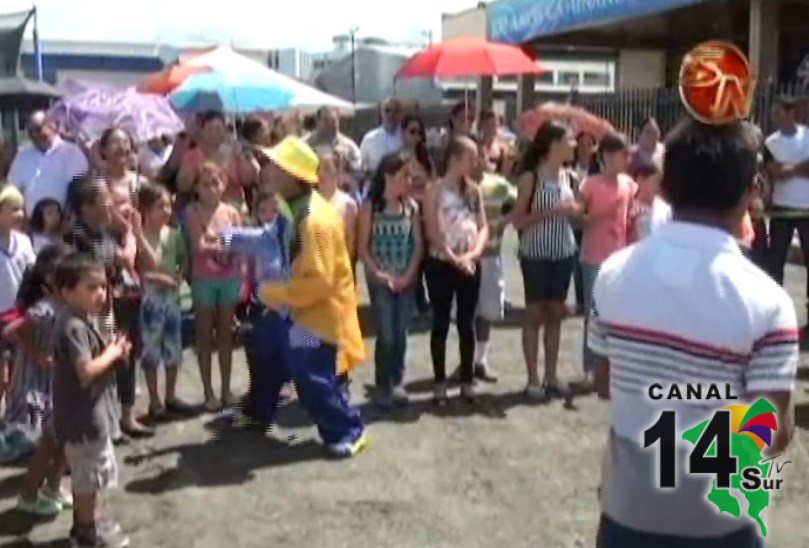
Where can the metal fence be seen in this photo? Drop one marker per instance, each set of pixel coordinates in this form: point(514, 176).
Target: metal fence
point(627, 109)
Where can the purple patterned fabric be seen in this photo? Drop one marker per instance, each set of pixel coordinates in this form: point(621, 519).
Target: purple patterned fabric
point(86, 114)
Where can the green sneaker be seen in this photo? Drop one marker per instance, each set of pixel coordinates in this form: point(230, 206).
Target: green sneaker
point(60, 496)
point(41, 506)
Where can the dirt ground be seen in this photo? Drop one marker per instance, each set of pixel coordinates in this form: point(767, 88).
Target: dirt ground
point(501, 473)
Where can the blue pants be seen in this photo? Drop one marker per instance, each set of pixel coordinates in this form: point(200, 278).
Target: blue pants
point(313, 370)
point(266, 341)
point(392, 313)
point(616, 535)
point(589, 273)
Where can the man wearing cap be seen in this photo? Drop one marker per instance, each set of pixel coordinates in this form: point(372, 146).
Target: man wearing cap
point(320, 297)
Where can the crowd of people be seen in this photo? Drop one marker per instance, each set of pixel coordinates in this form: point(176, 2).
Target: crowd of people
point(98, 242)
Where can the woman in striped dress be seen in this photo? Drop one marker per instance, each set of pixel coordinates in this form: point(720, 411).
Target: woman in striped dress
point(545, 206)
point(390, 246)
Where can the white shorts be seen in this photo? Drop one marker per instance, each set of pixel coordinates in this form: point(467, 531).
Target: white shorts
point(92, 466)
point(492, 297)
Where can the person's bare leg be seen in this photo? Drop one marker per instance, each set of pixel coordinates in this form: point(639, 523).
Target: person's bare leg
point(204, 317)
point(550, 340)
point(38, 466)
point(171, 383)
point(151, 386)
point(84, 509)
point(57, 470)
point(224, 341)
point(530, 341)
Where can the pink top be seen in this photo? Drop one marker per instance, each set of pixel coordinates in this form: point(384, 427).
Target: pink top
point(608, 203)
point(206, 264)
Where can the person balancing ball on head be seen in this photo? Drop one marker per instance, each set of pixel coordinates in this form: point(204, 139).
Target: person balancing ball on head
point(684, 306)
point(324, 337)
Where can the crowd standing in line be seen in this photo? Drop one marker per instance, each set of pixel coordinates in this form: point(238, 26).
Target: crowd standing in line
point(270, 230)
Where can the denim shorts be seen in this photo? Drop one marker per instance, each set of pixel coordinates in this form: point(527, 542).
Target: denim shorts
point(161, 324)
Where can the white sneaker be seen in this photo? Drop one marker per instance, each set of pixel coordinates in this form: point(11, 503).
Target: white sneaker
point(43, 507)
point(399, 395)
point(60, 496)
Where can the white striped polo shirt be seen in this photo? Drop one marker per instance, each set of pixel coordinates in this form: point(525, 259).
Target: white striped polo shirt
point(682, 307)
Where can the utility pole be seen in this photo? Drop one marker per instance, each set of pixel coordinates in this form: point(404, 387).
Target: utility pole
point(352, 32)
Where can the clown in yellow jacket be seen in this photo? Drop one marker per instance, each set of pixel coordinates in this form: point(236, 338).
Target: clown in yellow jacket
point(319, 296)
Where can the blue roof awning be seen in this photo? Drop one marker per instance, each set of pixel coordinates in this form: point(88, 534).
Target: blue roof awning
point(520, 21)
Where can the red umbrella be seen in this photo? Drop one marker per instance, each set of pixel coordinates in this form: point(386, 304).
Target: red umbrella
point(578, 118)
point(468, 56)
point(168, 79)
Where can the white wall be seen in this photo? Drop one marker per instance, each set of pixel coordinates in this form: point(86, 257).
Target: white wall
point(641, 69)
point(471, 22)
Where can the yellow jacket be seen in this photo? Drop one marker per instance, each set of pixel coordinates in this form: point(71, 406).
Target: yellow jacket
point(320, 291)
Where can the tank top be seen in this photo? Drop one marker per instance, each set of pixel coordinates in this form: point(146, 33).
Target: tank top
point(457, 221)
point(550, 239)
point(207, 265)
point(392, 241)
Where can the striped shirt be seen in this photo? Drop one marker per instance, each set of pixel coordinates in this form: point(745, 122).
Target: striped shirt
point(683, 307)
point(549, 239)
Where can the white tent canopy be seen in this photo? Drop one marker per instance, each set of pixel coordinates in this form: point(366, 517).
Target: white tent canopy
point(305, 98)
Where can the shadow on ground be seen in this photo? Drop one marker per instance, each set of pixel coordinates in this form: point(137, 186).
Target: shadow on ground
point(61, 543)
point(423, 322)
point(493, 406)
point(231, 457)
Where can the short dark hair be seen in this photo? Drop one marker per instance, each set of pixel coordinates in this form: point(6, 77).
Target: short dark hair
point(149, 194)
point(210, 116)
point(250, 127)
point(72, 268)
point(709, 167)
point(611, 143)
point(786, 102)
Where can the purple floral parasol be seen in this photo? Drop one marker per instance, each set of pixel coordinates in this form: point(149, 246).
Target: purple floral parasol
point(85, 115)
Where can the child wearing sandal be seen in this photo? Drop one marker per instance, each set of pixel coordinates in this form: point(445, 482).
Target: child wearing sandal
point(160, 314)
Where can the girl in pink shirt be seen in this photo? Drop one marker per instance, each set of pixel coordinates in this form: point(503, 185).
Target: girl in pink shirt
point(606, 201)
point(216, 279)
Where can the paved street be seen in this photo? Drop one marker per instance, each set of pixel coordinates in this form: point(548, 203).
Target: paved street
point(502, 473)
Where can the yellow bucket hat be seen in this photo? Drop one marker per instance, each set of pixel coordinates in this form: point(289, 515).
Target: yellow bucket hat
point(295, 157)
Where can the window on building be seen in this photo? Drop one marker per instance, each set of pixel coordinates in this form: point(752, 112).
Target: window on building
point(569, 79)
point(596, 79)
point(546, 77)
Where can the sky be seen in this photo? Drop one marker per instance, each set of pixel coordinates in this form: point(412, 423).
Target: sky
point(307, 24)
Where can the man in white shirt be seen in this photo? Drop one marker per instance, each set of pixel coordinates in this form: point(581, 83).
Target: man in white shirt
point(787, 161)
point(685, 308)
point(45, 169)
point(385, 139)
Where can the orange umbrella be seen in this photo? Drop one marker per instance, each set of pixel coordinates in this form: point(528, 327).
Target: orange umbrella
point(170, 78)
point(579, 119)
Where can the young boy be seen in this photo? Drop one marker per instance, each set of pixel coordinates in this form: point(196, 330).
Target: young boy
point(84, 398)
